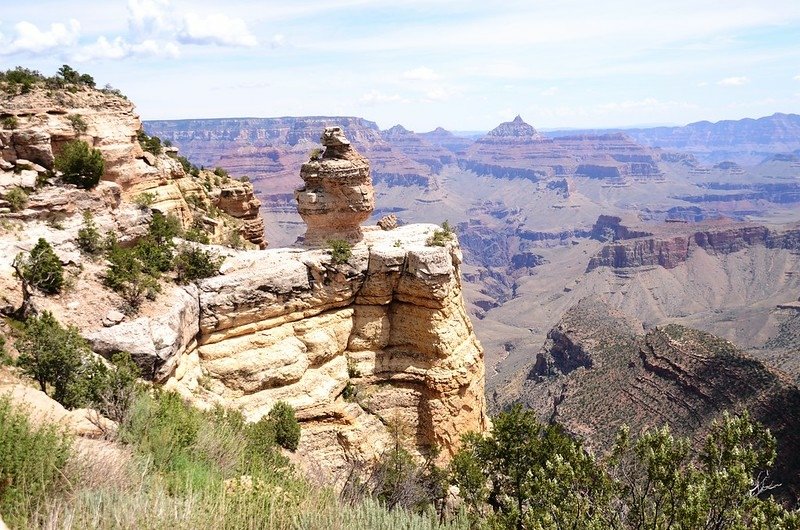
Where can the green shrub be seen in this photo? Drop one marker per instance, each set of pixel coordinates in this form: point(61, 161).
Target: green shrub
point(287, 429)
point(9, 122)
point(53, 356)
point(80, 164)
point(77, 122)
point(5, 358)
point(163, 228)
point(89, 239)
point(110, 390)
point(235, 239)
point(126, 275)
point(195, 450)
point(144, 199)
point(441, 237)
point(42, 268)
point(197, 234)
point(151, 144)
point(220, 172)
point(31, 463)
point(17, 199)
point(192, 263)
point(341, 250)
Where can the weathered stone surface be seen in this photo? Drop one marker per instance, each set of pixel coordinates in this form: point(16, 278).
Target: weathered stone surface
point(388, 222)
point(290, 325)
point(42, 410)
point(154, 341)
point(112, 126)
point(673, 247)
point(338, 195)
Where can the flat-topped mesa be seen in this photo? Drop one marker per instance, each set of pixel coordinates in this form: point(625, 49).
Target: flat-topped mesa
point(338, 195)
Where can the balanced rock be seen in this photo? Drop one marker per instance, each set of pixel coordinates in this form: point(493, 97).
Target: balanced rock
point(338, 195)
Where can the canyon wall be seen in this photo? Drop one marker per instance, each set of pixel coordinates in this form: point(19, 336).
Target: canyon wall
point(669, 251)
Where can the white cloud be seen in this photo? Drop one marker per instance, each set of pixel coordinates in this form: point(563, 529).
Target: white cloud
point(158, 18)
point(702, 84)
point(422, 73)
point(278, 41)
point(215, 29)
point(30, 39)
point(438, 94)
point(374, 97)
point(119, 48)
point(797, 77)
point(552, 91)
point(147, 17)
point(733, 81)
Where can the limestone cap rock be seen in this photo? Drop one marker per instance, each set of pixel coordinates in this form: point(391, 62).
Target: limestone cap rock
point(338, 195)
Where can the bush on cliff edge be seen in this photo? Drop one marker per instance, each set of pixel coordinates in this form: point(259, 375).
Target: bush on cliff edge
point(80, 164)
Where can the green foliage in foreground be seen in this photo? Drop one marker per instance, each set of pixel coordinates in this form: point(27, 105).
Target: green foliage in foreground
point(341, 250)
point(285, 425)
point(41, 268)
point(17, 199)
point(31, 463)
point(441, 236)
point(80, 164)
point(193, 263)
point(89, 239)
point(531, 476)
point(62, 364)
point(187, 469)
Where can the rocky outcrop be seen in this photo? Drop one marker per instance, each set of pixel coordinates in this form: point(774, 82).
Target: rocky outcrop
point(516, 150)
point(743, 141)
point(598, 371)
point(388, 325)
point(48, 119)
point(338, 195)
point(669, 250)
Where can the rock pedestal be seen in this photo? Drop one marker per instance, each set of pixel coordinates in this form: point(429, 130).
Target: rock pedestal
point(338, 195)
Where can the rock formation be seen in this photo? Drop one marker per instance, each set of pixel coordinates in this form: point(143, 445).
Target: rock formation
point(671, 247)
point(599, 370)
point(338, 195)
point(356, 346)
point(46, 120)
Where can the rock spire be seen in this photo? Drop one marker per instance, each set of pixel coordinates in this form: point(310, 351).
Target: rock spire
point(338, 195)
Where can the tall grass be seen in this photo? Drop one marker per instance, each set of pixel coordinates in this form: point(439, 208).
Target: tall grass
point(31, 463)
point(182, 468)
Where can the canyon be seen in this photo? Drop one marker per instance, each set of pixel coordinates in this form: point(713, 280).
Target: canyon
point(546, 218)
point(361, 345)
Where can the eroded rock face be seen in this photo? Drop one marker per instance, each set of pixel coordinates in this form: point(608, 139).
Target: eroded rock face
point(389, 325)
point(338, 195)
point(669, 250)
point(47, 120)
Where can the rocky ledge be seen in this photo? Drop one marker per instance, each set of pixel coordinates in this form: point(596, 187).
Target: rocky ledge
point(355, 347)
point(668, 250)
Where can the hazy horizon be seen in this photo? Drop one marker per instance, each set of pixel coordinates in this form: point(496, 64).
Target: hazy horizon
point(464, 66)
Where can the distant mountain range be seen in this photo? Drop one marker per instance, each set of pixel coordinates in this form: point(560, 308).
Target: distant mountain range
point(744, 141)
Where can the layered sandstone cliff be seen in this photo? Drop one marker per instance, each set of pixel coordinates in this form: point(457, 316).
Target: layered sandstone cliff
point(45, 120)
point(337, 195)
point(669, 249)
point(365, 347)
point(352, 346)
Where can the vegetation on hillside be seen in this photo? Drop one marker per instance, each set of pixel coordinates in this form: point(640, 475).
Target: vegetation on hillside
point(80, 164)
point(135, 272)
point(528, 475)
point(21, 80)
point(441, 236)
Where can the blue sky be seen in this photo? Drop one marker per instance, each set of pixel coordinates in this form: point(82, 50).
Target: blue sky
point(458, 64)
